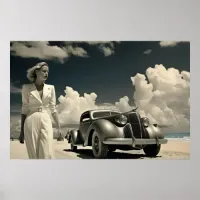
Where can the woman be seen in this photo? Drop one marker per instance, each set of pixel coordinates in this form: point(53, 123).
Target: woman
point(38, 99)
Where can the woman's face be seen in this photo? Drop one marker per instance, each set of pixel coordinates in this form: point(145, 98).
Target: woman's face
point(42, 73)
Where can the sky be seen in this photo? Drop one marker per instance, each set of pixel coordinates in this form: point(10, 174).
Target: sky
point(154, 75)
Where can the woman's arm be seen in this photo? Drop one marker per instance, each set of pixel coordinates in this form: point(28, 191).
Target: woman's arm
point(56, 120)
point(24, 112)
point(21, 137)
point(52, 106)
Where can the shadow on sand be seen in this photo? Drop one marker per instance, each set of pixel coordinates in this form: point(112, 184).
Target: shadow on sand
point(87, 154)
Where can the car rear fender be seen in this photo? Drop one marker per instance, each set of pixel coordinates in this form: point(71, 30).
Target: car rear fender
point(73, 134)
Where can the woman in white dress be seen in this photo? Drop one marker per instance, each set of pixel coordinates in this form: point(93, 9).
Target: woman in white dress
point(38, 101)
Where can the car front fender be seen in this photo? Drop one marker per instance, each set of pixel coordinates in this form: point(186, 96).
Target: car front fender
point(105, 129)
point(155, 132)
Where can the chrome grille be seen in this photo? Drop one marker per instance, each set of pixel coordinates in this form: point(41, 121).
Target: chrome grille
point(136, 130)
point(135, 124)
point(133, 118)
point(127, 132)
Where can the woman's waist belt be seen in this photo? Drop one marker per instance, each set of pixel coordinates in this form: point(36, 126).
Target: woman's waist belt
point(38, 109)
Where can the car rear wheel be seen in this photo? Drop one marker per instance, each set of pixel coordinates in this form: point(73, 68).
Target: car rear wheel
point(99, 149)
point(152, 150)
point(73, 147)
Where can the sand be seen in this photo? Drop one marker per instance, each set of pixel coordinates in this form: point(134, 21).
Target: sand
point(173, 150)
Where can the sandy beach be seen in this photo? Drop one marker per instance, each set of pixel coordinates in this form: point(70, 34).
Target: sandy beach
point(173, 150)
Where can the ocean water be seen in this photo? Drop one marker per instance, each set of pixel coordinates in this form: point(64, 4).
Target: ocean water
point(178, 136)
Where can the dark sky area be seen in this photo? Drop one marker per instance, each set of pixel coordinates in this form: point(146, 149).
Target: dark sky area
point(108, 75)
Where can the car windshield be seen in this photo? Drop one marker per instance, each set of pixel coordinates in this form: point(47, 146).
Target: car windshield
point(104, 114)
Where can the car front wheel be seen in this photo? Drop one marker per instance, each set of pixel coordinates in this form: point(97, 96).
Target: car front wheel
point(99, 149)
point(152, 150)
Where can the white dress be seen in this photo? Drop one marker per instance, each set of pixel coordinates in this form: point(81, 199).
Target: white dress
point(38, 130)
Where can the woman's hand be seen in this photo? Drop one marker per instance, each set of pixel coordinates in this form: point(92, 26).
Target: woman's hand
point(21, 138)
point(60, 136)
point(59, 132)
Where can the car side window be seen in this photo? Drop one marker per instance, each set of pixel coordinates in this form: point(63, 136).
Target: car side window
point(85, 119)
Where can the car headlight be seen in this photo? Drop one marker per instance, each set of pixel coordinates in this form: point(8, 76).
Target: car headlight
point(145, 121)
point(121, 119)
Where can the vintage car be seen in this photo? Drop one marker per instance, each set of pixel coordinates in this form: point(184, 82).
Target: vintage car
point(106, 130)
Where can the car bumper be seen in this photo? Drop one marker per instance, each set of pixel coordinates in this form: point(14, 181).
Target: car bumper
point(131, 142)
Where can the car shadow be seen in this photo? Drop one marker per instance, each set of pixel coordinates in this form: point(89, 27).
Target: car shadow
point(87, 154)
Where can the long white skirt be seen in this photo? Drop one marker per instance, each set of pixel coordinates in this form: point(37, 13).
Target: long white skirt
point(38, 136)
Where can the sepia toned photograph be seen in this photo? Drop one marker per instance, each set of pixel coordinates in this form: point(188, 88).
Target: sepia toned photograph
point(100, 100)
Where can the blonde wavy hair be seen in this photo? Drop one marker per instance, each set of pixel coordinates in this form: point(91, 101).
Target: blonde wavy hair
point(31, 75)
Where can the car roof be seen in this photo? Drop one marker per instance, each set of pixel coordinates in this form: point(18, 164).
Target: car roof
point(101, 110)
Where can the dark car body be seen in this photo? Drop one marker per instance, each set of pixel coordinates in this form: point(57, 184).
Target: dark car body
point(133, 134)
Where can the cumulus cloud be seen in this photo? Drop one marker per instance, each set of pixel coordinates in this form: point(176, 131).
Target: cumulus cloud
point(163, 95)
point(43, 50)
point(98, 42)
point(106, 106)
point(106, 47)
point(147, 51)
point(72, 105)
point(107, 51)
point(169, 43)
point(111, 43)
point(77, 51)
point(165, 98)
point(38, 49)
point(123, 104)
